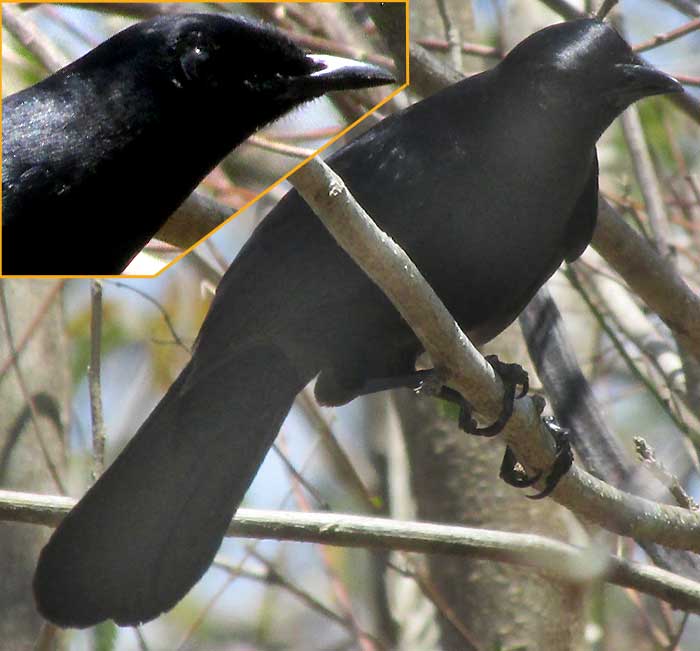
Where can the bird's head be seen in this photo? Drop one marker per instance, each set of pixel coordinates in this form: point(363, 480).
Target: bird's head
point(230, 59)
point(206, 78)
point(587, 66)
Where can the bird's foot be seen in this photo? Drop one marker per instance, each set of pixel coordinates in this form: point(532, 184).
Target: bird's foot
point(513, 474)
point(512, 376)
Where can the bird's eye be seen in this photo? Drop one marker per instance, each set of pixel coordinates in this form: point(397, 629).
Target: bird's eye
point(193, 63)
point(629, 77)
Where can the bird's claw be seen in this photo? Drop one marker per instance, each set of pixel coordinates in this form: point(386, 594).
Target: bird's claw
point(512, 376)
point(513, 474)
point(563, 459)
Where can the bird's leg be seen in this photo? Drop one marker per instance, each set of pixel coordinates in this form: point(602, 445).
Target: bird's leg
point(414, 380)
point(513, 475)
point(430, 382)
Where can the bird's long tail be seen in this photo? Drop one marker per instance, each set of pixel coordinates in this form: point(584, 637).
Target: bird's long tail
point(149, 528)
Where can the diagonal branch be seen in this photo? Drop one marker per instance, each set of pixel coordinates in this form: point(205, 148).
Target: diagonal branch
point(463, 368)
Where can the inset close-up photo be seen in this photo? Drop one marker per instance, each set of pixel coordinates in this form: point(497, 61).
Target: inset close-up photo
point(123, 124)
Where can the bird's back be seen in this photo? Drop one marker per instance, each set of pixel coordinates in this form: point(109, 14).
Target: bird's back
point(452, 183)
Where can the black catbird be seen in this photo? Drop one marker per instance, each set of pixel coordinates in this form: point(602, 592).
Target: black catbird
point(489, 185)
point(98, 155)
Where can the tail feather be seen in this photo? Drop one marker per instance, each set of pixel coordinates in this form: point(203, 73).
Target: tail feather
point(149, 528)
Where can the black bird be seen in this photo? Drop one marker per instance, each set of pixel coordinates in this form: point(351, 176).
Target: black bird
point(489, 185)
point(98, 155)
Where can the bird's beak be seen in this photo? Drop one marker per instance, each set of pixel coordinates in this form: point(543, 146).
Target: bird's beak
point(641, 80)
point(336, 73)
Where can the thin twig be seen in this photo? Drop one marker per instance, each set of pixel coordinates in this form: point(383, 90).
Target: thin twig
point(21, 26)
point(656, 468)
point(166, 317)
point(32, 326)
point(143, 645)
point(72, 27)
point(564, 8)
point(282, 453)
point(94, 380)
point(451, 34)
point(338, 586)
point(661, 39)
point(646, 177)
point(687, 7)
point(441, 603)
point(310, 133)
point(344, 465)
point(45, 641)
point(687, 80)
point(649, 626)
point(674, 642)
point(624, 355)
point(636, 325)
point(605, 8)
point(272, 576)
point(202, 615)
point(475, 49)
point(280, 148)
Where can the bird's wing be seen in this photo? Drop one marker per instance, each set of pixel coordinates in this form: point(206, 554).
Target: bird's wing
point(583, 218)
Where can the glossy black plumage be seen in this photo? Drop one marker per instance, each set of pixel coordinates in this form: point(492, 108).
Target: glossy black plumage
point(98, 155)
point(489, 185)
